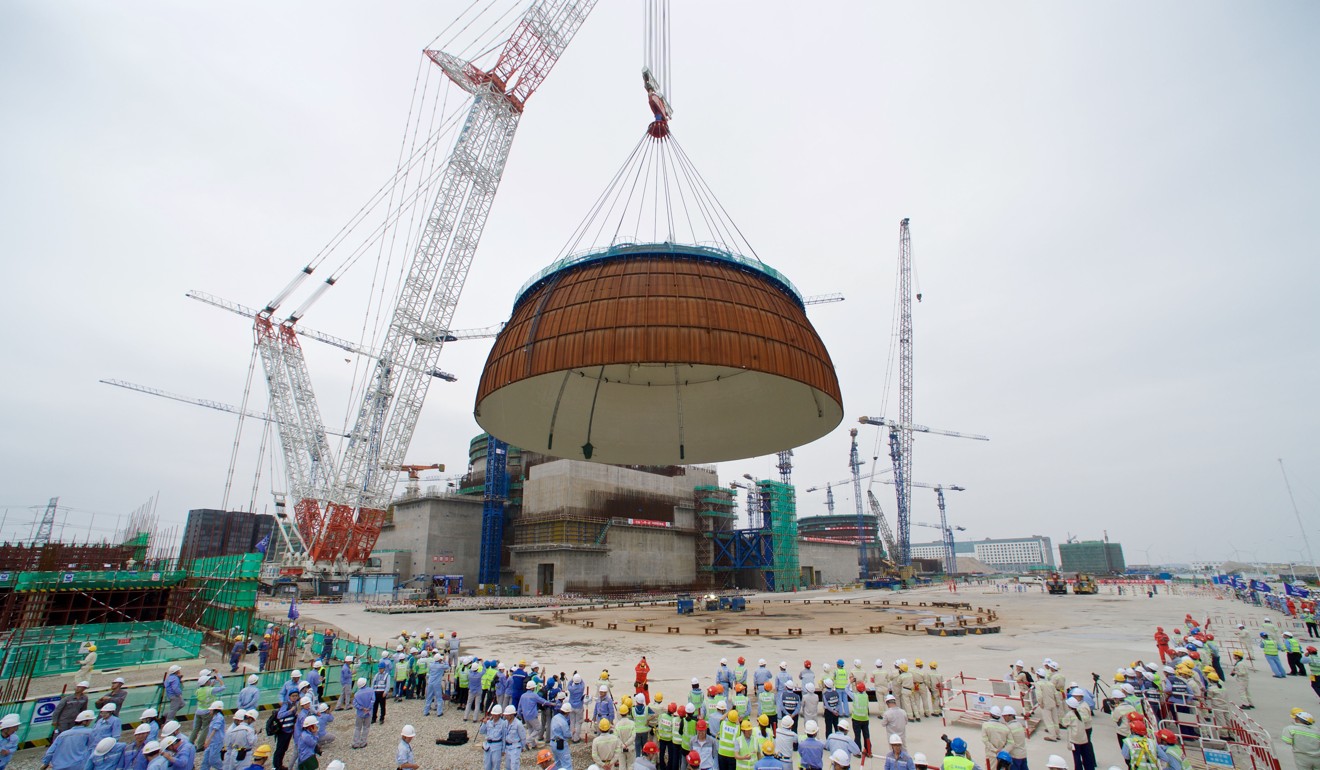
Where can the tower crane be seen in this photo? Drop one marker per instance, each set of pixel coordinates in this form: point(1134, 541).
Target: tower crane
point(950, 557)
point(413, 487)
point(855, 464)
point(901, 483)
point(339, 506)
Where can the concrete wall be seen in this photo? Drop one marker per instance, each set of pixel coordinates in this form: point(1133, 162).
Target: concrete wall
point(632, 556)
point(834, 563)
point(572, 485)
point(443, 533)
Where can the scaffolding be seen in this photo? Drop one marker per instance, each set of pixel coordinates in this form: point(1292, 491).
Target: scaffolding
point(779, 509)
point(716, 512)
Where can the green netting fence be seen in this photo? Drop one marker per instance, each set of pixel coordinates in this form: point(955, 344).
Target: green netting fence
point(118, 645)
point(106, 580)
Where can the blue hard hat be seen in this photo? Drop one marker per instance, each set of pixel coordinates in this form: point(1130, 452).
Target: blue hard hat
point(1264, 635)
point(839, 662)
point(958, 745)
point(1004, 755)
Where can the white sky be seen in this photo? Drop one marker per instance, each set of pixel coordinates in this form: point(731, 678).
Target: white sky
point(1114, 213)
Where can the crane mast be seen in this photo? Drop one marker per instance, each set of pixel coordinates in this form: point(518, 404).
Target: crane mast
point(900, 443)
point(885, 532)
point(339, 512)
point(855, 465)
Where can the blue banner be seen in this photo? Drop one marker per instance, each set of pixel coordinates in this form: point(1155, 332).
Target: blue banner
point(1297, 591)
point(293, 609)
point(1260, 585)
point(263, 544)
point(1238, 582)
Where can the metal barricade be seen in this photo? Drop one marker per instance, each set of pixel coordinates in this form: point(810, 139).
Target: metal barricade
point(968, 699)
point(1220, 739)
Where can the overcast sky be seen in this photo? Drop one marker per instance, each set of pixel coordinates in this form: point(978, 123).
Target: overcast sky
point(1114, 220)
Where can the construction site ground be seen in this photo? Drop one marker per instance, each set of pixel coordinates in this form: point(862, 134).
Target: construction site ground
point(1084, 633)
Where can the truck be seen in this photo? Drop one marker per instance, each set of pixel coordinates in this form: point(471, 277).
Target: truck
point(1055, 584)
point(1085, 584)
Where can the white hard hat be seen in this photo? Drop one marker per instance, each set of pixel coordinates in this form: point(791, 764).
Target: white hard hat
point(1129, 689)
point(317, 663)
point(721, 706)
point(510, 711)
point(841, 757)
point(336, 764)
point(577, 678)
point(894, 738)
point(786, 722)
point(811, 686)
point(783, 664)
point(321, 709)
point(1040, 672)
point(1074, 702)
point(109, 707)
point(295, 673)
point(531, 684)
point(240, 715)
point(149, 714)
point(408, 731)
point(1056, 761)
point(103, 747)
point(85, 716)
point(566, 708)
point(496, 710)
point(918, 758)
point(304, 701)
point(139, 730)
point(1009, 711)
point(309, 722)
point(347, 659)
point(216, 706)
point(696, 680)
point(879, 663)
point(857, 661)
point(253, 679)
point(843, 725)
point(174, 670)
point(890, 697)
point(83, 685)
point(168, 741)
point(761, 662)
point(604, 688)
point(812, 727)
point(1019, 663)
point(724, 661)
point(117, 680)
point(151, 747)
point(995, 711)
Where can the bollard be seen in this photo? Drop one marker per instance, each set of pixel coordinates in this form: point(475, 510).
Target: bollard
point(589, 623)
point(836, 631)
point(612, 626)
point(640, 628)
point(875, 629)
point(795, 632)
point(671, 630)
point(751, 632)
point(712, 632)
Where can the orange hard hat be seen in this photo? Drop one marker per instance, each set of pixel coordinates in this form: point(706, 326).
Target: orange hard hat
point(769, 687)
point(739, 687)
point(544, 755)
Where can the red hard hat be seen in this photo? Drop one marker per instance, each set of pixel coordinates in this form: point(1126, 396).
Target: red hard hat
point(806, 663)
point(1209, 637)
point(1166, 736)
point(711, 691)
point(861, 687)
point(1176, 631)
point(673, 707)
point(694, 758)
point(741, 660)
point(1194, 655)
point(1136, 716)
point(701, 724)
point(650, 748)
point(1139, 728)
point(1311, 650)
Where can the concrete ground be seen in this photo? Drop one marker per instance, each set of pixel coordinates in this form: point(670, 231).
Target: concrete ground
point(1084, 633)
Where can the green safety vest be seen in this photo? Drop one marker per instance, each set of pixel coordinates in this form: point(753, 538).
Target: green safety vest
point(1140, 755)
point(1271, 646)
point(1292, 645)
point(957, 762)
point(420, 666)
point(665, 726)
point(203, 696)
point(1312, 665)
point(688, 733)
point(696, 699)
point(746, 744)
point(728, 733)
point(861, 708)
point(740, 704)
point(840, 678)
point(642, 720)
point(767, 702)
point(401, 671)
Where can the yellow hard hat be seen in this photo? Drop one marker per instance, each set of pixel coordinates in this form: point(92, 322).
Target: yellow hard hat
point(1207, 669)
point(1239, 654)
point(732, 716)
point(91, 647)
point(1295, 712)
point(902, 667)
point(627, 702)
point(918, 662)
point(933, 664)
point(659, 697)
point(604, 675)
point(604, 725)
point(746, 724)
point(763, 720)
point(768, 747)
point(1119, 677)
point(1212, 676)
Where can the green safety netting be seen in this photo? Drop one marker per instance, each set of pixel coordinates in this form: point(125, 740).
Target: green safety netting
point(96, 581)
point(118, 645)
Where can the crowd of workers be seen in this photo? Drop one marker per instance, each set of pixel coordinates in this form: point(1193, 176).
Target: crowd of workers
point(754, 716)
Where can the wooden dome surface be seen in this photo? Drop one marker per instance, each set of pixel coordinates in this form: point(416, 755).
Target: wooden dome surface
point(658, 354)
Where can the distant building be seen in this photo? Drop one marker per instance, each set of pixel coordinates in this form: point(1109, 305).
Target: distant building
point(1014, 554)
point(1097, 557)
point(210, 532)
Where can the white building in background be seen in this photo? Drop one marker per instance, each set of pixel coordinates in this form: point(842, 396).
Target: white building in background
point(1008, 554)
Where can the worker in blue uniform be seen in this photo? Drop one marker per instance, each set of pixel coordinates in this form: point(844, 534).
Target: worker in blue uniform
point(435, 679)
point(561, 735)
point(72, 747)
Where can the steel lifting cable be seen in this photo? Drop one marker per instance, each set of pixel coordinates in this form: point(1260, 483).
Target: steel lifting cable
point(679, 149)
point(579, 232)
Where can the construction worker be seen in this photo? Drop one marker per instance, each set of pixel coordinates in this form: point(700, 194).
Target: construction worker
point(906, 685)
point(790, 702)
point(515, 738)
point(107, 755)
point(1017, 738)
point(840, 740)
point(958, 760)
point(1293, 649)
point(898, 758)
point(70, 706)
point(1073, 723)
point(626, 731)
point(403, 754)
point(178, 751)
point(767, 702)
point(72, 746)
point(806, 675)
point(839, 760)
point(107, 725)
point(861, 718)
point(1121, 711)
point(1242, 674)
point(1173, 753)
point(994, 736)
point(9, 725)
point(213, 738)
point(492, 727)
point(238, 742)
point(936, 682)
point(1048, 703)
point(740, 673)
point(1270, 646)
point(1304, 739)
point(88, 662)
point(205, 707)
point(893, 720)
point(727, 749)
point(647, 758)
point(561, 735)
point(605, 749)
point(921, 700)
point(134, 757)
point(1140, 752)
